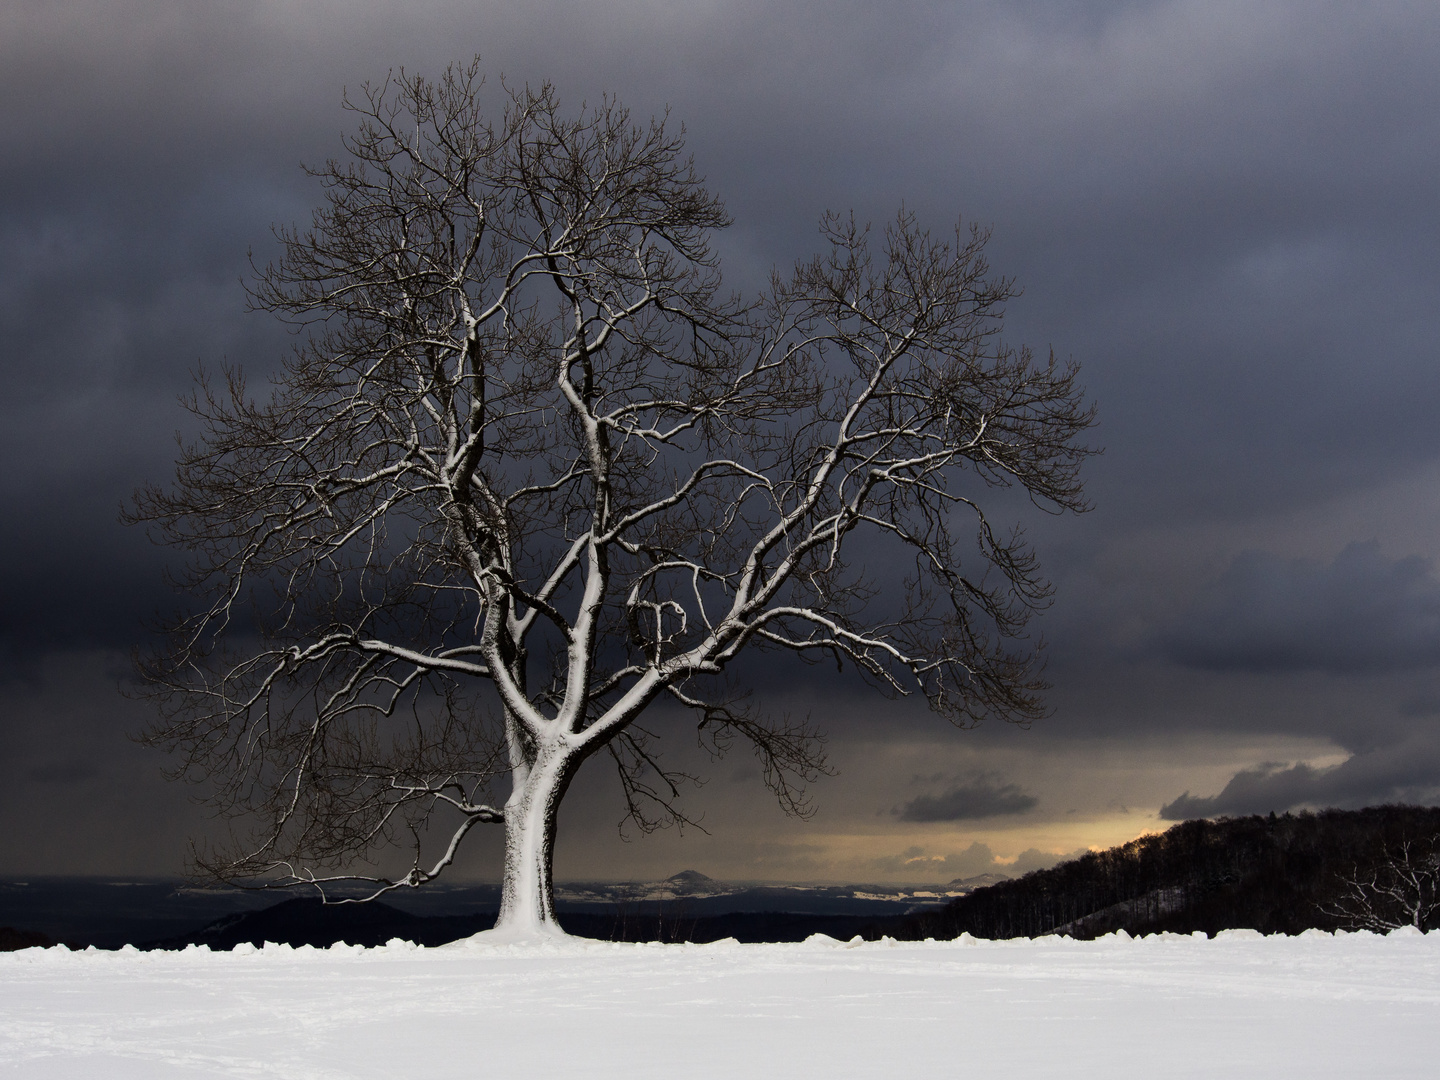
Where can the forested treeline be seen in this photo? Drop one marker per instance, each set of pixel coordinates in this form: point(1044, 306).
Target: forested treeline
point(1275, 874)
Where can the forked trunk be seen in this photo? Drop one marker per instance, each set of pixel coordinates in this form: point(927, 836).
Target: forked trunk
point(527, 897)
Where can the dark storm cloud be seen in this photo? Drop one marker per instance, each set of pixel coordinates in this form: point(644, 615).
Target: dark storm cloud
point(1201, 205)
point(1226, 213)
point(980, 797)
point(1362, 612)
point(1406, 772)
point(63, 772)
point(102, 314)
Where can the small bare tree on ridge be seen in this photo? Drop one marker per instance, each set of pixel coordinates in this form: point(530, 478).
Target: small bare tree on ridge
point(531, 472)
point(1402, 888)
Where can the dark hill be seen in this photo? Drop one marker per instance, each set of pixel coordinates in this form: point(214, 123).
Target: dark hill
point(308, 921)
point(1272, 874)
point(12, 940)
point(690, 877)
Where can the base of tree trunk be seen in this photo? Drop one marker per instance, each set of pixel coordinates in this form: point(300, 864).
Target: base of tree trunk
point(523, 935)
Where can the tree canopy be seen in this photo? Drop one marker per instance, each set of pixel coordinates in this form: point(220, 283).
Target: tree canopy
point(531, 471)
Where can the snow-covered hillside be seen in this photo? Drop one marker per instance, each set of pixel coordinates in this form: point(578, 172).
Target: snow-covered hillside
point(1236, 1006)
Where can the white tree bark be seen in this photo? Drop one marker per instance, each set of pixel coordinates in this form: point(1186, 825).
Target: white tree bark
point(527, 896)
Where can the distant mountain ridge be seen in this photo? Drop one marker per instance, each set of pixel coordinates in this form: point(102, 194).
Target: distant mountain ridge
point(109, 913)
point(709, 896)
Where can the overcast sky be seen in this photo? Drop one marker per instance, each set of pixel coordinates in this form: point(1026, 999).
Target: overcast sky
point(1227, 213)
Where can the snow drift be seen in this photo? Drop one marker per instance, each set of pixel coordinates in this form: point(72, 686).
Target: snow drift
point(1240, 1005)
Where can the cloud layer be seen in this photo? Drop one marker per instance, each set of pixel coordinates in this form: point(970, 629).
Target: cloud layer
point(979, 797)
point(1407, 772)
point(1224, 211)
point(1360, 613)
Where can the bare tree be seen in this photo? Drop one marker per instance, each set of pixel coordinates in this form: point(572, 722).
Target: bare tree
point(530, 473)
point(1400, 889)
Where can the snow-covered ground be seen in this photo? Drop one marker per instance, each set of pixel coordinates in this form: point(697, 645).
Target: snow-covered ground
point(1353, 1005)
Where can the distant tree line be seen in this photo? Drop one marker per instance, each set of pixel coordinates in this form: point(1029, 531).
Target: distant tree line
point(12, 940)
point(1335, 869)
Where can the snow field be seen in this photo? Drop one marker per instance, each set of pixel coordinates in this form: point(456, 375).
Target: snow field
point(1240, 1005)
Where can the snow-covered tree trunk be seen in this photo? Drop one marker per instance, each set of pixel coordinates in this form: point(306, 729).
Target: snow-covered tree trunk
point(527, 897)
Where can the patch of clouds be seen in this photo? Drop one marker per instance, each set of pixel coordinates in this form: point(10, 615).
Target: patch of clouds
point(1034, 859)
point(765, 858)
point(979, 858)
point(917, 862)
point(1360, 613)
point(983, 795)
point(1404, 772)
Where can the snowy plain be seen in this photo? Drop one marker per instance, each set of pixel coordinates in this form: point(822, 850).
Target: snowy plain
point(1240, 1005)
